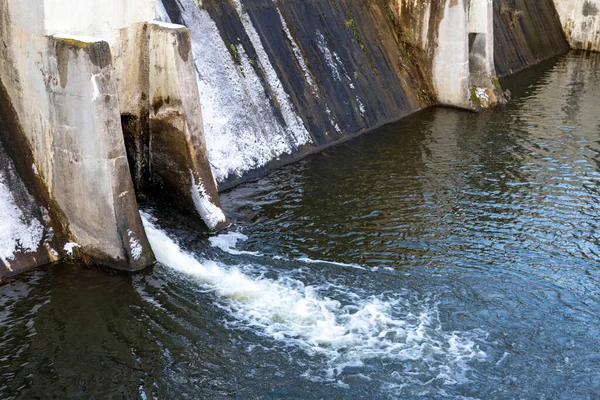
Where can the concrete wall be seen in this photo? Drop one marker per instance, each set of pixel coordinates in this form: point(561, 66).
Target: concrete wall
point(178, 157)
point(481, 41)
point(63, 85)
point(581, 22)
point(162, 119)
point(63, 92)
point(457, 38)
point(27, 237)
point(451, 76)
point(80, 17)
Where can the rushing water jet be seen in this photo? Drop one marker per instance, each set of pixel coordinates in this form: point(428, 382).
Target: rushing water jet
point(347, 332)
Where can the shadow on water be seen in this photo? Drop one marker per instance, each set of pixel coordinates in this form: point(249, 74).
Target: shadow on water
point(469, 243)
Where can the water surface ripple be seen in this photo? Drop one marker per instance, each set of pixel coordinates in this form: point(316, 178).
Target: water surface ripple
point(450, 255)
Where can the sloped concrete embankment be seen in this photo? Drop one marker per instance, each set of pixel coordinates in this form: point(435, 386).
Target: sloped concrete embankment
point(283, 79)
point(526, 33)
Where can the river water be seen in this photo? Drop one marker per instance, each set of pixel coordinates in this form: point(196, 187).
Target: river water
point(450, 255)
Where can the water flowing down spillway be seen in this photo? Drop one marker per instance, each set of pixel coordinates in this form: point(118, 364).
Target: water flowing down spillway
point(448, 256)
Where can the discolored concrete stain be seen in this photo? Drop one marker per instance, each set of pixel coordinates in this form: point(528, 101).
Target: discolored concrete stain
point(589, 9)
point(62, 59)
point(581, 23)
point(184, 44)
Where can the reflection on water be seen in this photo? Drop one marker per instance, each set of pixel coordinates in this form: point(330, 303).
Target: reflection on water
point(462, 258)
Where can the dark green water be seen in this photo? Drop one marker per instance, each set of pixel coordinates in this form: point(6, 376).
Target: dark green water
point(459, 258)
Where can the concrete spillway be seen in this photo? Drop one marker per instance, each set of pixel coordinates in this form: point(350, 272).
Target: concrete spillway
point(177, 99)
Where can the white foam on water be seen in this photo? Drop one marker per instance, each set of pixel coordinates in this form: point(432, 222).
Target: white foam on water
point(311, 261)
point(228, 243)
point(346, 331)
point(17, 233)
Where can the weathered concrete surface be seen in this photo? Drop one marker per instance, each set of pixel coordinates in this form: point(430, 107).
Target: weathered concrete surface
point(485, 87)
point(282, 79)
point(456, 38)
point(131, 60)
point(63, 91)
point(178, 160)
point(162, 119)
point(27, 238)
point(451, 76)
point(525, 33)
point(581, 22)
point(89, 18)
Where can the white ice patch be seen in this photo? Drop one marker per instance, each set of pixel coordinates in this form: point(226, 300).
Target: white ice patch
point(96, 94)
point(53, 252)
point(210, 213)
point(16, 232)
point(332, 121)
point(482, 95)
point(292, 120)
point(337, 69)
point(167, 25)
point(241, 126)
point(135, 246)
point(361, 106)
point(35, 170)
point(331, 58)
point(69, 247)
point(297, 53)
point(161, 13)
point(228, 242)
point(346, 328)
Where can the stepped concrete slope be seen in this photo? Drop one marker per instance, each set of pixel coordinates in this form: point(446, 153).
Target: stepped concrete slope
point(176, 99)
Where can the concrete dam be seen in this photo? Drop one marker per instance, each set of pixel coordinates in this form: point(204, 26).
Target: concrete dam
point(299, 199)
point(104, 104)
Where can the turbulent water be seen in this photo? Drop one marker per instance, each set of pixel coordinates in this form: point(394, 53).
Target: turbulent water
point(451, 255)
